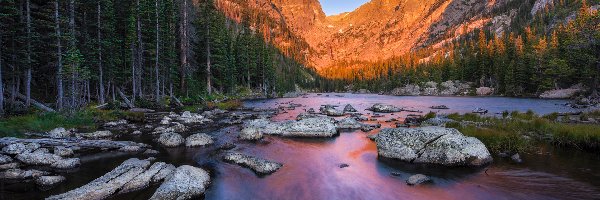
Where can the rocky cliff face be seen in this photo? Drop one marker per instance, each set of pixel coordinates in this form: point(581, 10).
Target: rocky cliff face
point(382, 29)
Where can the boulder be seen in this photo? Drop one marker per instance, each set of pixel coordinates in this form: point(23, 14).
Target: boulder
point(331, 111)
point(348, 108)
point(408, 90)
point(560, 94)
point(312, 127)
point(38, 158)
point(165, 120)
point(19, 174)
point(382, 108)
point(97, 135)
point(437, 121)
point(178, 127)
point(516, 158)
point(163, 173)
point(63, 151)
point(448, 89)
point(131, 149)
point(121, 122)
point(485, 91)
point(4, 159)
point(186, 182)
point(106, 185)
point(250, 133)
point(49, 181)
point(258, 165)
point(170, 139)
point(191, 118)
point(418, 179)
point(349, 123)
point(68, 163)
point(6, 166)
point(59, 133)
point(143, 180)
point(14, 149)
point(432, 145)
point(200, 139)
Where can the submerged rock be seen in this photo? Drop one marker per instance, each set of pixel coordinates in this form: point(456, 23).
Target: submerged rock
point(382, 108)
point(418, 179)
point(199, 139)
point(433, 145)
point(47, 182)
point(258, 165)
point(516, 158)
point(186, 182)
point(170, 139)
point(250, 134)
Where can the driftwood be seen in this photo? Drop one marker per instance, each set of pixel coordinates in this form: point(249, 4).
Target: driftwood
point(90, 144)
point(101, 106)
point(35, 103)
point(129, 104)
point(177, 101)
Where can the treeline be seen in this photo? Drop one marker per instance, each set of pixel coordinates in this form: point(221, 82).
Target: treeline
point(544, 54)
point(70, 53)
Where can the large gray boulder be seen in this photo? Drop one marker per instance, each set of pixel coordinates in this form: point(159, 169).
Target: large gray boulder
point(200, 139)
point(348, 108)
point(258, 165)
point(170, 139)
point(331, 111)
point(311, 127)
point(432, 145)
point(383, 108)
point(349, 123)
point(186, 182)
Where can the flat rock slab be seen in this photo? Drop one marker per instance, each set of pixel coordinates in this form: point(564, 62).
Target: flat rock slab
point(418, 179)
point(432, 145)
point(258, 165)
point(143, 180)
point(310, 127)
point(186, 182)
point(109, 183)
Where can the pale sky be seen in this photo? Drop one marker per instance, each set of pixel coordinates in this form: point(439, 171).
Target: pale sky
point(333, 7)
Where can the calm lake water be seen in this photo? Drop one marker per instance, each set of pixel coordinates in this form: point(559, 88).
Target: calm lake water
point(311, 166)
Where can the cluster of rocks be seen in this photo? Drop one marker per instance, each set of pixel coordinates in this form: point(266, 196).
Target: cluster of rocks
point(62, 133)
point(184, 182)
point(448, 88)
point(432, 145)
point(172, 139)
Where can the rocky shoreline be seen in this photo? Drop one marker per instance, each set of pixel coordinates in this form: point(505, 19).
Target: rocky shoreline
point(61, 148)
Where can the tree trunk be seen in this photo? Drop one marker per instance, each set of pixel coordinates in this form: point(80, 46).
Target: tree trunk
point(28, 73)
point(1, 82)
point(100, 69)
point(59, 79)
point(140, 51)
point(157, 89)
point(73, 103)
point(208, 75)
point(183, 45)
point(133, 77)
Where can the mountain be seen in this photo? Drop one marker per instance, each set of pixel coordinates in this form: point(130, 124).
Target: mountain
point(382, 29)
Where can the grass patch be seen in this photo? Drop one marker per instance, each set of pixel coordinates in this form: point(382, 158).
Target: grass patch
point(226, 105)
point(516, 132)
point(41, 122)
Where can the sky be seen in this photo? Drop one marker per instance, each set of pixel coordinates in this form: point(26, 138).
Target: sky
point(333, 7)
